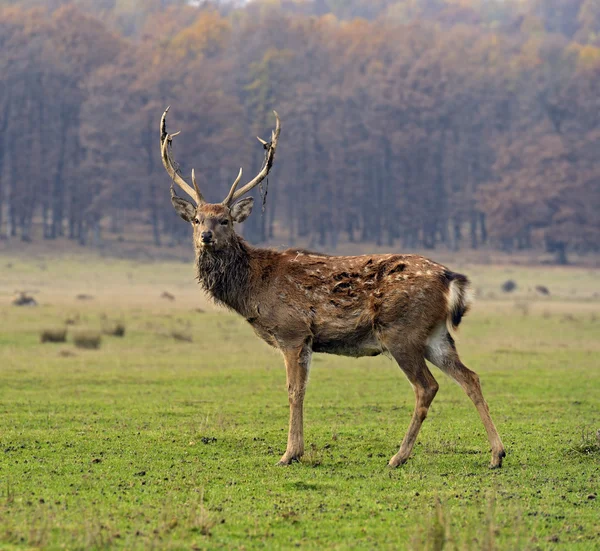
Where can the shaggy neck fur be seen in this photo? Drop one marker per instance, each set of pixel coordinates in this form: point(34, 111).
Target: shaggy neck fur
point(225, 274)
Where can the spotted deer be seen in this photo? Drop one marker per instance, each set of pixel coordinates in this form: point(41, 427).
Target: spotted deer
point(302, 302)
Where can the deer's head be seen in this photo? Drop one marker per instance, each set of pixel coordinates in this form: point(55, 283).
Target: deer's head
point(213, 222)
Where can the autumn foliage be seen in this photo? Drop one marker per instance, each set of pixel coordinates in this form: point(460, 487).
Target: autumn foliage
point(409, 123)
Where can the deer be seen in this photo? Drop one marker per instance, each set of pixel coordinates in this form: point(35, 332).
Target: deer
point(300, 302)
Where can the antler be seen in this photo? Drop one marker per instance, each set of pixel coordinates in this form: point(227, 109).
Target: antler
point(270, 148)
point(229, 199)
point(165, 142)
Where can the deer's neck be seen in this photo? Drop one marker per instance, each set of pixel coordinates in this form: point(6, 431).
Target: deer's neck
point(225, 274)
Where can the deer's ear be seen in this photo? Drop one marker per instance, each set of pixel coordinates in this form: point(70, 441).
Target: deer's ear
point(184, 208)
point(242, 209)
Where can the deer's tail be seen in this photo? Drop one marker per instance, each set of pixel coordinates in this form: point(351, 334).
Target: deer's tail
point(460, 298)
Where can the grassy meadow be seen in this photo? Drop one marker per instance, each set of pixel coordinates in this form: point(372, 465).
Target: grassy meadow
point(167, 437)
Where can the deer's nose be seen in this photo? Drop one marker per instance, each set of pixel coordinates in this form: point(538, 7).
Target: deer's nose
point(206, 236)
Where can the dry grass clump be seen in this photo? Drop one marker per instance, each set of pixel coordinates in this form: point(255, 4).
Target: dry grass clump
point(313, 456)
point(87, 339)
point(182, 336)
point(589, 443)
point(441, 532)
point(522, 307)
point(201, 518)
point(116, 330)
point(57, 334)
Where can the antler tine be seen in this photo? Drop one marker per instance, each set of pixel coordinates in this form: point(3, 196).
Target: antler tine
point(165, 141)
point(269, 157)
point(228, 199)
point(197, 189)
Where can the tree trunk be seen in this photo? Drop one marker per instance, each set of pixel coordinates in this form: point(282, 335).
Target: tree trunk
point(560, 250)
point(154, 213)
point(473, 228)
point(58, 188)
point(483, 226)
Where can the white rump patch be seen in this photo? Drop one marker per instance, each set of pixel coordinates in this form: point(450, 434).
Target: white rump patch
point(454, 296)
point(438, 346)
point(454, 292)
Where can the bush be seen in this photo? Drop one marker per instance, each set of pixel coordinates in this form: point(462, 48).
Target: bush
point(87, 339)
point(117, 330)
point(54, 335)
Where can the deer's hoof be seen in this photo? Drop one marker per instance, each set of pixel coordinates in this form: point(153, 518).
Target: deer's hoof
point(497, 460)
point(288, 460)
point(396, 461)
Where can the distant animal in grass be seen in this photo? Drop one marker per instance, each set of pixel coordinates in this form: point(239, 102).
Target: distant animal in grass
point(302, 302)
point(542, 290)
point(509, 286)
point(167, 296)
point(23, 299)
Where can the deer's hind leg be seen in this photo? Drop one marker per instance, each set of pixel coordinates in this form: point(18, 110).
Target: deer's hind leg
point(441, 351)
point(425, 386)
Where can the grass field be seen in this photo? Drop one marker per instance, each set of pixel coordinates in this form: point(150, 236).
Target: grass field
point(156, 442)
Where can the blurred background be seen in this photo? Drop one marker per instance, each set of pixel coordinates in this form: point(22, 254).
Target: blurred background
point(446, 125)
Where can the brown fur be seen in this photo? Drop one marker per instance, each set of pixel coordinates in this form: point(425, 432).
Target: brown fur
point(302, 302)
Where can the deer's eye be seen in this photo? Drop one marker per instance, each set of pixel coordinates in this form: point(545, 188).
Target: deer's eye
point(224, 222)
point(196, 220)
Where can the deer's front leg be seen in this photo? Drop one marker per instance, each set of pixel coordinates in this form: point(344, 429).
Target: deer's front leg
point(297, 364)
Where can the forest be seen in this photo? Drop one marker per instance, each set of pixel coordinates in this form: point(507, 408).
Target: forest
point(415, 124)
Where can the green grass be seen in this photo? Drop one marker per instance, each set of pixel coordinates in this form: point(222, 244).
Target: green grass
point(154, 443)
